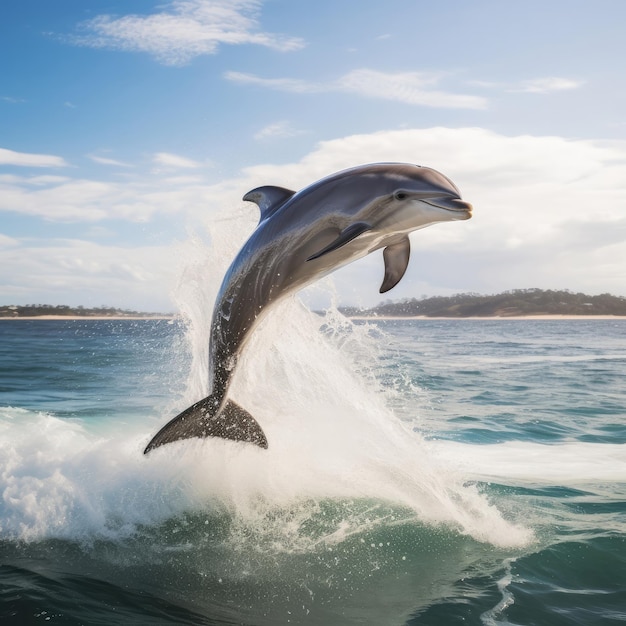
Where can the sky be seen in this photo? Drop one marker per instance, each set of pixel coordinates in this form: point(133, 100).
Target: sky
point(130, 131)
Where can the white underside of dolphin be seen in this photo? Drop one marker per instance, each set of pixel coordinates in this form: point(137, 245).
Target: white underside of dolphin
point(301, 237)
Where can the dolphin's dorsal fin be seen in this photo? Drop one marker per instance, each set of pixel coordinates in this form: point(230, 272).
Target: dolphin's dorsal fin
point(268, 198)
point(345, 236)
point(396, 260)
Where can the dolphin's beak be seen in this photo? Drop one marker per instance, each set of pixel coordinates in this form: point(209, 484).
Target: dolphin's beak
point(451, 204)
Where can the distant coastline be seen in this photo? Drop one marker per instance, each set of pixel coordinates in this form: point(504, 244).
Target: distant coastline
point(525, 304)
point(63, 312)
point(90, 317)
point(519, 303)
point(366, 318)
point(486, 318)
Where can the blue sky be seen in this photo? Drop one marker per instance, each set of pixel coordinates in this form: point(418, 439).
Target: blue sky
point(129, 131)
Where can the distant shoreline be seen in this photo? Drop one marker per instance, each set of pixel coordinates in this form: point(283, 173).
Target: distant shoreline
point(489, 317)
point(352, 317)
point(91, 317)
point(538, 304)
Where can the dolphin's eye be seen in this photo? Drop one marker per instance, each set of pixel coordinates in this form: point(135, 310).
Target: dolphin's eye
point(400, 195)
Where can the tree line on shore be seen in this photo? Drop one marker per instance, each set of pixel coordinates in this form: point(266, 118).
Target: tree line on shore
point(506, 304)
point(38, 310)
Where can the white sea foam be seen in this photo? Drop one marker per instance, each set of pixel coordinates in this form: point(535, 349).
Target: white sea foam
point(59, 480)
point(569, 463)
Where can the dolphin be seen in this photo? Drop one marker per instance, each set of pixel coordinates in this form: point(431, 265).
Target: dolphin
point(302, 236)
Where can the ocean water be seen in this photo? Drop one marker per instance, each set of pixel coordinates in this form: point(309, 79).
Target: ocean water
point(418, 472)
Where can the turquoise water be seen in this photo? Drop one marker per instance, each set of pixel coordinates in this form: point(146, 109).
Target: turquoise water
point(418, 472)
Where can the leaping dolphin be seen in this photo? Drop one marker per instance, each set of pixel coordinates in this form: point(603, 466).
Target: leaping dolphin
point(301, 237)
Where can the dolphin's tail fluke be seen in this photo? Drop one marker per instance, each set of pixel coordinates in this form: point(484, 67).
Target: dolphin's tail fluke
point(200, 420)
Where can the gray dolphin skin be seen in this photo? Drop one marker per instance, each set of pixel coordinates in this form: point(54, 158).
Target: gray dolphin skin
point(301, 237)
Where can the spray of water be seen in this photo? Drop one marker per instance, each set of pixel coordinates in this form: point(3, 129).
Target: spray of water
point(333, 442)
point(307, 380)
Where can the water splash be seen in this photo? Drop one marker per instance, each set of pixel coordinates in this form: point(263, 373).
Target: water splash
point(310, 381)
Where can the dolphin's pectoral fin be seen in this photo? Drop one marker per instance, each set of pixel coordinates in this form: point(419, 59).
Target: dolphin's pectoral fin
point(345, 236)
point(232, 422)
point(268, 198)
point(396, 260)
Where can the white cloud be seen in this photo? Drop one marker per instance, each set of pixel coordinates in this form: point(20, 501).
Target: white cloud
point(548, 85)
point(98, 232)
point(278, 130)
point(74, 271)
point(293, 85)
point(107, 161)
point(416, 88)
point(33, 181)
point(185, 29)
point(408, 87)
point(73, 200)
point(185, 180)
point(60, 200)
point(174, 161)
point(12, 100)
point(6, 242)
point(137, 199)
point(534, 85)
point(25, 159)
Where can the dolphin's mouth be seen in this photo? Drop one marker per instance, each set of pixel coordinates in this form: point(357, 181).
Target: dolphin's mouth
point(450, 204)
